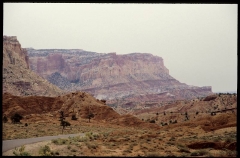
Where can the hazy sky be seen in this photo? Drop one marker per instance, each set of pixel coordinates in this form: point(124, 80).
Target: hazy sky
point(198, 42)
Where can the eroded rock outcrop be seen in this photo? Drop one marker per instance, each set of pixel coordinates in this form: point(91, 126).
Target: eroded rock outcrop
point(18, 79)
point(111, 76)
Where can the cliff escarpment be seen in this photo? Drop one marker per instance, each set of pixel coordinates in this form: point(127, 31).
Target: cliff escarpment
point(18, 78)
point(110, 76)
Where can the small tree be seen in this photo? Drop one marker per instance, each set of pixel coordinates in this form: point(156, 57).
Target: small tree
point(91, 115)
point(5, 119)
point(74, 117)
point(186, 115)
point(164, 113)
point(63, 123)
point(16, 118)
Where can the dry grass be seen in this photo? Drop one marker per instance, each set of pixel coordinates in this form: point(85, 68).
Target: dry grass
point(102, 140)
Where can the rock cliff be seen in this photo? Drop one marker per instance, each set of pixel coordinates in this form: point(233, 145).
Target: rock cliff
point(110, 76)
point(18, 79)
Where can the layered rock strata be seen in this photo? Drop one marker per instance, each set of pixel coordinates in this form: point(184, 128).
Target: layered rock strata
point(110, 76)
point(18, 78)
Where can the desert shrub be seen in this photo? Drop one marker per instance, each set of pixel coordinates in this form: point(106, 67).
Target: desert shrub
point(5, 119)
point(60, 141)
point(96, 136)
point(74, 139)
point(56, 153)
point(84, 139)
point(45, 151)
point(69, 147)
point(175, 121)
point(90, 115)
point(152, 121)
point(66, 123)
point(89, 135)
point(26, 124)
point(74, 117)
point(20, 151)
point(105, 134)
point(16, 118)
point(91, 145)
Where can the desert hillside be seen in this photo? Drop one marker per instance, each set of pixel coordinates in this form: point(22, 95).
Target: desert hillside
point(111, 134)
point(80, 104)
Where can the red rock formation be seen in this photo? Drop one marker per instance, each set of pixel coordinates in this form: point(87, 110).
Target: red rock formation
point(15, 52)
point(110, 76)
point(18, 79)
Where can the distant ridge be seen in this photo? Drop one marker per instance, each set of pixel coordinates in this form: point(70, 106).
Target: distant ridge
point(231, 92)
point(111, 76)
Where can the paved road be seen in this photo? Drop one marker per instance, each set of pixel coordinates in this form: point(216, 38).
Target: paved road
point(11, 144)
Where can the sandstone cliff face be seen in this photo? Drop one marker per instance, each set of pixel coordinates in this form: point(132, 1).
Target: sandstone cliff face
point(110, 76)
point(18, 79)
point(13, 53)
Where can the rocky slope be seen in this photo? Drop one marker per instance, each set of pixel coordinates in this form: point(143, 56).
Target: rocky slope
point(111, 76)
point(18, 79)
point(80, 104)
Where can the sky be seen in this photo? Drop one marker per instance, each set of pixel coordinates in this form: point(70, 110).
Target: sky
point(198, 42)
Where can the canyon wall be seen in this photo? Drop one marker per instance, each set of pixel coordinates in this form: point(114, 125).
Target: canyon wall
point(18, 78)
point(110, 76)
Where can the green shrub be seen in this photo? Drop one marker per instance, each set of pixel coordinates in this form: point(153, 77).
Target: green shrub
point(20, 151)
point(60, 141)
point(89, 135)
point(45, 151)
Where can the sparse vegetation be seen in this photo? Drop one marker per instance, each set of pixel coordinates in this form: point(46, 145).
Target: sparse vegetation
point(107, 138)
point(20, 151)
point(45, 151)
